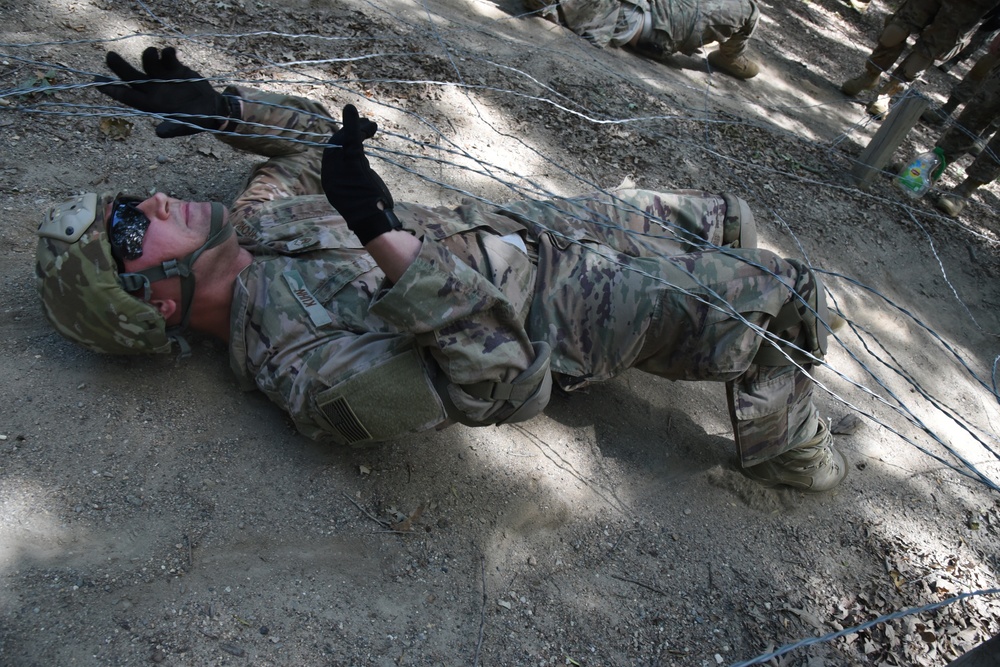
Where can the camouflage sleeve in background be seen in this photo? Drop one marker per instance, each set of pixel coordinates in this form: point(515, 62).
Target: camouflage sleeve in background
point(269, 120)
point(596, 20)
point(684, 26)
point(678, 25)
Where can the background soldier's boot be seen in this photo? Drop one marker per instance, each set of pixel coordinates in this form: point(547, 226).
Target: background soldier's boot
point(978, 147)
point(813, 466)
point(739, 66)
point(953, 203)
point(940, 115)
point(864, 81)
point(881, 104)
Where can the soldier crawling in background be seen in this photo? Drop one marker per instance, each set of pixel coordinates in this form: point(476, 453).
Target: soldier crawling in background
point(391, 319)
point(659, 28)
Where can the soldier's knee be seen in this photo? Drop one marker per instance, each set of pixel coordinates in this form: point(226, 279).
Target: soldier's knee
point(893, 34)
point(801, 325)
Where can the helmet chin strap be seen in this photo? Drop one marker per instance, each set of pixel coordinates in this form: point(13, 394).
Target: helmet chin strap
point(184, 268)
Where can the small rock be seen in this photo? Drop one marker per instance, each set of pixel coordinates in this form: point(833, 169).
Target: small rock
point(158, 656)
point(232, 649)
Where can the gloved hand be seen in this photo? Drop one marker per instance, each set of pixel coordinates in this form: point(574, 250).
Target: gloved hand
point(350, 184)
point(167, 97)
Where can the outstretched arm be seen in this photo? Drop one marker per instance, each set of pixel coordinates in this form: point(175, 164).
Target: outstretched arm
point(362, 198)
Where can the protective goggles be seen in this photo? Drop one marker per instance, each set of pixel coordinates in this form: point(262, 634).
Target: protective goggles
point(127, 227)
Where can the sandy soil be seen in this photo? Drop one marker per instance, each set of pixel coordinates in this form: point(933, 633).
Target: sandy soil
point(152, 513)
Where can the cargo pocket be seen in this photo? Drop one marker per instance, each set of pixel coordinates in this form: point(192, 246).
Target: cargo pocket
point(759, 409)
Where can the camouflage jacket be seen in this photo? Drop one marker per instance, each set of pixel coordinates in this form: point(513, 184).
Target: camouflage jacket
point(497, 298)
point(316, 328)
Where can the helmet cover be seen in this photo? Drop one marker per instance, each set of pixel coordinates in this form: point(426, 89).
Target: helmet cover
point(79, 284)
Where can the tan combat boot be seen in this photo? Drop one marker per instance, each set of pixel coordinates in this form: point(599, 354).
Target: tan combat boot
point(880, 106)
point(950, 204)
point(953, 203)
point(813, 466)
point(739, 66)
point(864, 81)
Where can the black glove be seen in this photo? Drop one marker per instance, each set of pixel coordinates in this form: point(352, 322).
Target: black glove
point(350, 184)
point(197, 98)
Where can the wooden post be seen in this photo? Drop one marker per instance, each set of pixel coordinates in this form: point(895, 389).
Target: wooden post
point(903, 116)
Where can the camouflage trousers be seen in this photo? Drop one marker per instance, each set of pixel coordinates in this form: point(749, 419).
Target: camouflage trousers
point(731, 23)
point(970, 84)
point(942, 27)
point(976, 119)
point(670, 283)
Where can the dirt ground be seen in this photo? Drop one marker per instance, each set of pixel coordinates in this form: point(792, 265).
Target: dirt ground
point(150, 512)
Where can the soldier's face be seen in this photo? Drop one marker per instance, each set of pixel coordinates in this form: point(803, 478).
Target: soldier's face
point(176, 229)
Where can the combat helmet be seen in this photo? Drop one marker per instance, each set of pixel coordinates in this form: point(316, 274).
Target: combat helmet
point(85, 296)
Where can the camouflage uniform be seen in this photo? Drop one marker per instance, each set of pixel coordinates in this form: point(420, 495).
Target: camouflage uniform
point(584, 287)
point(675, 26)
point(976, 119)
point(973, 80)
point(942, 26)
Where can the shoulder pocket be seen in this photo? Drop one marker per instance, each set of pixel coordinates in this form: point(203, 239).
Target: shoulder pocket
point(390, 398)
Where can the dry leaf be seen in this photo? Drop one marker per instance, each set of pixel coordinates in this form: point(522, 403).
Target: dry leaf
point(406, 524)
point(943, 587)
point(117, 129)
point(846, 425)
point(210, 151)
point(805, 616)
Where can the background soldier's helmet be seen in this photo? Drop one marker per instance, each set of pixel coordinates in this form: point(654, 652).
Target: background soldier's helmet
point(79, 283)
